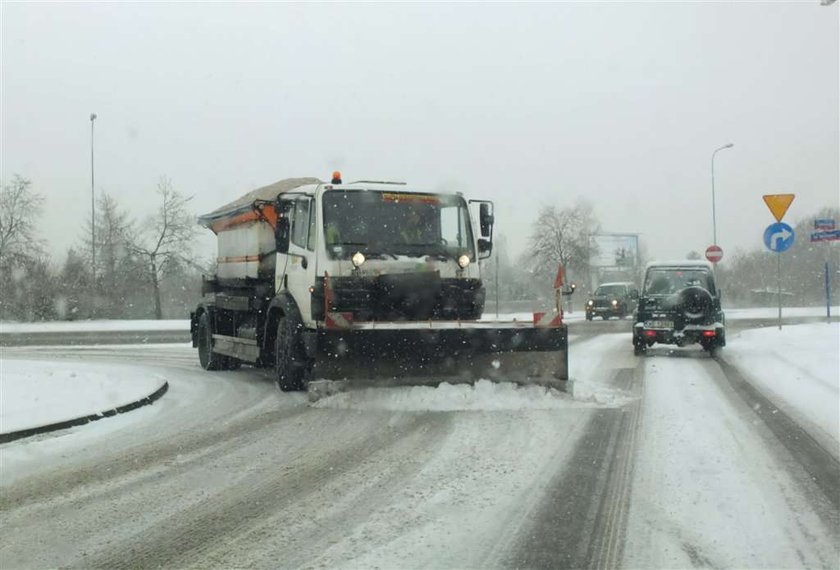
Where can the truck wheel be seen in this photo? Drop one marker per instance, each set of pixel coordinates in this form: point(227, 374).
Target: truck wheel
point(209, 360)
point(289, 369)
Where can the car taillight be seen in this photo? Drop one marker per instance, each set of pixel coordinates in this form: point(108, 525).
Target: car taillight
point(650, 333)
point(709, 333)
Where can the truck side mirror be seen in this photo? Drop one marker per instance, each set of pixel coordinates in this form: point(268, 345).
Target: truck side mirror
point(485, 246)
point(634, 294)
point(282, 234)
point(485, 219)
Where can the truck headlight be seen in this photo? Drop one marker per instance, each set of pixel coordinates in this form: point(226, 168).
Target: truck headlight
point(463, 261)
point(614, 303)
point(358, 259)
point(590, 303)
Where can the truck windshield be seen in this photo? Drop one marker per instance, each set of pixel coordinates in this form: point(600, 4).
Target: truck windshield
point(396, 223)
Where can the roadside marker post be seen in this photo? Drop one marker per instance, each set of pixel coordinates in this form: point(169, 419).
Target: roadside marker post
point(559, 280)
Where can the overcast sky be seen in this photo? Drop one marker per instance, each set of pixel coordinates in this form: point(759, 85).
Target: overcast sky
point(527, 105)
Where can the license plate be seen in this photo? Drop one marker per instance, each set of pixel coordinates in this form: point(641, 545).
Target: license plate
point(659, 324)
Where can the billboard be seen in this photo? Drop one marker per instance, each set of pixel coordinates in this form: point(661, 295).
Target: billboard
point(614, 250)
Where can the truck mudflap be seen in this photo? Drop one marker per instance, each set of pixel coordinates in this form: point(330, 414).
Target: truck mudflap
point(428, 354)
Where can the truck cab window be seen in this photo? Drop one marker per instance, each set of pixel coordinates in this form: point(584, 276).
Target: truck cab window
point(452, 224)
point(301, 223)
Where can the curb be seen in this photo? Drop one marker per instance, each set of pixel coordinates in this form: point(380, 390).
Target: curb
point(20, 434)
point(63, 338)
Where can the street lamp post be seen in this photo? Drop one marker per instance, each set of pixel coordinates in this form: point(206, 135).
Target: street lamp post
point(92, 206)
point(714, 216)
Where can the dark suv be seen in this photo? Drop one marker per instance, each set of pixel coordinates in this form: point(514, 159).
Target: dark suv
point(679, 305)
point(612, 300)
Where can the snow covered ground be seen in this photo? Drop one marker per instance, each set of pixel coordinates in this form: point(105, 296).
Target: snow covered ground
point(393, 480)
point(37, 393)
point(798, 368)
point(708, 489)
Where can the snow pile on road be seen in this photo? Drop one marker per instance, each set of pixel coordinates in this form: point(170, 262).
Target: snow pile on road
point(483, 396)
point(34, 393)
point(798, 368)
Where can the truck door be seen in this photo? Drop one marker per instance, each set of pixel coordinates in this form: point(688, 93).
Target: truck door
point(300, 268)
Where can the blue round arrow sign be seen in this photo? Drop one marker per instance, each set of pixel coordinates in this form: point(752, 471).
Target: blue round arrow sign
point(779, 237)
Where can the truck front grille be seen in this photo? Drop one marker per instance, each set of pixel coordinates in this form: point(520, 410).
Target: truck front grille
point(412, 296)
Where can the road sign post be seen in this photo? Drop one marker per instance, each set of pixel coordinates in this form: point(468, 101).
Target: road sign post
point(779, 237)
point(827, 295)
point(826, 232)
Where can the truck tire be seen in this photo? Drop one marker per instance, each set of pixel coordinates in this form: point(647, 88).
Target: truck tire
point(289, 360)
point(209, 360)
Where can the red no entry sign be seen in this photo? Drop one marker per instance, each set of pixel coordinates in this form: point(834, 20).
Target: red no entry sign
point(714, 253)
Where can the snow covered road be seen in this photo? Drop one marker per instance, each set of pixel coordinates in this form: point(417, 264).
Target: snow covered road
point(656, 462)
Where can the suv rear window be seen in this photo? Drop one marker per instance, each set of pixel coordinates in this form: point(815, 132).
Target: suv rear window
point(669, 280)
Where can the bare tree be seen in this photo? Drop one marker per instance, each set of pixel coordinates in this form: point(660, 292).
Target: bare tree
point(20, 207)
point(113, 264)
point(561, 236)
point(165, 238)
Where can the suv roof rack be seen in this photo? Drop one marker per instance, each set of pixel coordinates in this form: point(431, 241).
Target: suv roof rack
point(377, 182)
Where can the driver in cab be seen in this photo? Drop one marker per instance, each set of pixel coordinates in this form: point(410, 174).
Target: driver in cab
point(413, 230)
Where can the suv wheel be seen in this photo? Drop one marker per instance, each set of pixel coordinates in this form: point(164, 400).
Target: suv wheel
point(639, 346)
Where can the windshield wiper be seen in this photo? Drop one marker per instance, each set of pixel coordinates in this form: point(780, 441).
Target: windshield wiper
point(366, 249)
point(439, 250)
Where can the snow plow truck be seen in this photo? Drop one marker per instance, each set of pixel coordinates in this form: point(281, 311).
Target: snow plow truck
point(334, 285)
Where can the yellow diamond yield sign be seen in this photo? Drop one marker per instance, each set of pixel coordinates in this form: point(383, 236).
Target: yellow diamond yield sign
point(778, 204)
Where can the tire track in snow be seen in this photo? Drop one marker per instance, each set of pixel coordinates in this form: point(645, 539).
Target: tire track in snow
point(710, 488)
point(822, 468)
point(191, 536)
point(581, 521)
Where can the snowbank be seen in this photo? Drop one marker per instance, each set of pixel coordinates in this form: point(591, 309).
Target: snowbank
point(36, 393)
point(798, 368)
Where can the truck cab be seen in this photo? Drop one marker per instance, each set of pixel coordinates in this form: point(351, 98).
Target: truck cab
point(379, 251)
